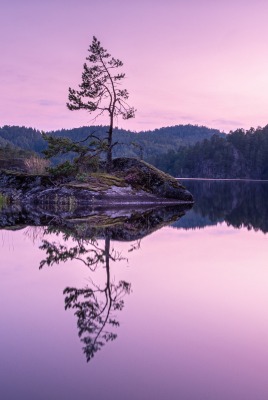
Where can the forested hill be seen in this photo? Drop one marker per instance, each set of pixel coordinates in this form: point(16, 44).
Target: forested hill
point(21, 137)
point(241, 154)
point(144, 144)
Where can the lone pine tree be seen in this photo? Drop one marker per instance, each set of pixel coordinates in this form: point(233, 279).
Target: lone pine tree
point(100, 91)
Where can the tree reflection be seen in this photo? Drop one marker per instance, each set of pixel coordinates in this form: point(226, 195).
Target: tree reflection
point(95, 306)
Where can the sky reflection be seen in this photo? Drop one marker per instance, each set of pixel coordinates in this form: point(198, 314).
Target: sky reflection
point(195, 325)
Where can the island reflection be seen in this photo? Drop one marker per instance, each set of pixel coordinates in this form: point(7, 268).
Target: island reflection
point(238, 203)
point(91, 240)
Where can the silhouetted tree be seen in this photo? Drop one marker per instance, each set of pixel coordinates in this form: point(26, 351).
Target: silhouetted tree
point(101, 92)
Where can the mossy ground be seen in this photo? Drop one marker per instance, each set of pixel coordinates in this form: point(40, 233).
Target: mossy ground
point(97, 182)
point(3, 201)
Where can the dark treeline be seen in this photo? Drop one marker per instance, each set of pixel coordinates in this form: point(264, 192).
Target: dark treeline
point(238, 203)
point(145, 144)
point(240, 154)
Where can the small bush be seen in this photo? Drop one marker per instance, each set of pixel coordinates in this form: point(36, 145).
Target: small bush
point(86, 164)
point(65, 169)
point(83, 177)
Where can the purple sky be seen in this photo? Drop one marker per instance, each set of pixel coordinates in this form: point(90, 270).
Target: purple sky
point(201, 62)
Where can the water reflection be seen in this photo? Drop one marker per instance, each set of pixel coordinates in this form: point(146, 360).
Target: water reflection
point(94, 305)
point(238, 203)
point(88, 237)
point(204, 293)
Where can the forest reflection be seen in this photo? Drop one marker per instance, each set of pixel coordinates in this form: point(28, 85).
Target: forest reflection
point(238, 203)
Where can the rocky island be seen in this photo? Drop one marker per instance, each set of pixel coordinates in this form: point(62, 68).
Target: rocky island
point(130, 181)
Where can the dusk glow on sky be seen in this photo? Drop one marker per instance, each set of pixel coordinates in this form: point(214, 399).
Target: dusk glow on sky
point(198, 62)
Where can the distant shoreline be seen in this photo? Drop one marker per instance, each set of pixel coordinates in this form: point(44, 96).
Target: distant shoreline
point(222, 179)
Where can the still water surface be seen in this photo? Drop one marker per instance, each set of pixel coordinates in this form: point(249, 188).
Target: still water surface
point(179, 312)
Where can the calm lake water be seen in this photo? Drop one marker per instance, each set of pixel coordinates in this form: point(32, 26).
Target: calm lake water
point(153, 307)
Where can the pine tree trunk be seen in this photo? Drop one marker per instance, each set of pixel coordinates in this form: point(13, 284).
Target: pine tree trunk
point(109, 150)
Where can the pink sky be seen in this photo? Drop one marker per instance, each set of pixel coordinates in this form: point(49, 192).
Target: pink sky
point(187, 61)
